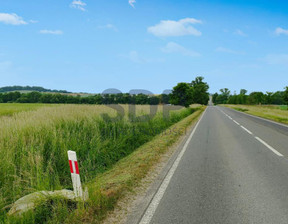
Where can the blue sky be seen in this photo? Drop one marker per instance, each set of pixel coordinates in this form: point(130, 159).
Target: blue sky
point(93, 45)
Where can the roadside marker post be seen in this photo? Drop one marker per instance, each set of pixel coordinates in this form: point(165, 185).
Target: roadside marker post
point(74, 168)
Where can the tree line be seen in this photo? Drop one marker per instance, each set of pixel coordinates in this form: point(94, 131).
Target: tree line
point(183, 94)
point(254, 98)
point(29, 88)
point(57, 98)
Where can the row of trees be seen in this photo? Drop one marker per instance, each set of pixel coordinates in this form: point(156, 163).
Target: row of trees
point(29, 88)
point(188, 93)
point(225, 97)
point(183, 94)
point(121, 98)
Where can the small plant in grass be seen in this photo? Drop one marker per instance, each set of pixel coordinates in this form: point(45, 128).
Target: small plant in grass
point(241, 109)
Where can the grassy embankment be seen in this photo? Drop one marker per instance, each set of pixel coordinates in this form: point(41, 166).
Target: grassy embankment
point(275, 113)
point(34, 145)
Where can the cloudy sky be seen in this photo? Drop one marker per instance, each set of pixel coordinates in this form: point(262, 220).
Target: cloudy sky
point(92, 45)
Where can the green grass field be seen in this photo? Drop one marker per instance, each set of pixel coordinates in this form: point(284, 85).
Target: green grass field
point(9, 109)
point(273, 112)
point(34, 145)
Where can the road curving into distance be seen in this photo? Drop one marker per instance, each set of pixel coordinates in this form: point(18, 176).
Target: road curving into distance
point(233, 169)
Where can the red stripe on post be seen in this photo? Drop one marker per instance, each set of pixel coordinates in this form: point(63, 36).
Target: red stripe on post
point(76, 167)
point(71, 166)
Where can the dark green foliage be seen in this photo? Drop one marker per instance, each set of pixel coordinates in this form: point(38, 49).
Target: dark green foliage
point(182, 95)
point(223, 97)
point(254, 98)
point(57, 98)
point(285, 95)
point(29, 88)
point(187, 93)
point(200, 91)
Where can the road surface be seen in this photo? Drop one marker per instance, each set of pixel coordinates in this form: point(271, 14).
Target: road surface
point(233, 169)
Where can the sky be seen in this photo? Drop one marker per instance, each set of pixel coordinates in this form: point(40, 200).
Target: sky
point(93, 45)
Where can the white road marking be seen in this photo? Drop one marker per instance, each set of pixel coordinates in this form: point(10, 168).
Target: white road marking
point(236, 122)
point(259, 139)
point(268, 146)
point(246, 130)
point(158, 196)
point(261, 118)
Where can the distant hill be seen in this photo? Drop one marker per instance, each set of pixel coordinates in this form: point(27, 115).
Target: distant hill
point(167, 91)
point(29, 88)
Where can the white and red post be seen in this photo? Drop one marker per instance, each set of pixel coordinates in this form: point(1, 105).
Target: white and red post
point(74, 168)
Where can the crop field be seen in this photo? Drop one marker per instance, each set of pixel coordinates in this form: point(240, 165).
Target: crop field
point(8, 109)
point(34, 145)
point(275, 113)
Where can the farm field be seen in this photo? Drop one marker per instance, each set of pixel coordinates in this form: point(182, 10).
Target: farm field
point(34, 145)
point(275, 113)
point(9, 109)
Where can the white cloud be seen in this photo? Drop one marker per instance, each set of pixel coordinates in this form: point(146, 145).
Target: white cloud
point(175, 28)
point(240, 33)
point(108, 26)
point(33, 21)
point(78, 4)
point(227, 50)
point(132, 2)
point(277, 59)
point(280, 31)
point(54, 32)
point(172, 47)
point(11, 19)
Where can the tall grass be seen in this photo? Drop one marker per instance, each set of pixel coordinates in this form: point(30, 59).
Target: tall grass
point(34, 145)
point(9, 109)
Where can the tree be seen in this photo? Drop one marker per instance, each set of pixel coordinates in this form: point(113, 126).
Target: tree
point(164, 98)
point(141, 99)
point(34, 97)
point(268, 97)
point(214, 97)
point(182, 94)
point(285, 96)
point(278, 98)
point(243, 91)
point(154, 100)
point(256, 98)
point(200, 91)
point(223, 97)
point(242, 97)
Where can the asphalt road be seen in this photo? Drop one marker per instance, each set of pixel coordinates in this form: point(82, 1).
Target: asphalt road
point(233, 169)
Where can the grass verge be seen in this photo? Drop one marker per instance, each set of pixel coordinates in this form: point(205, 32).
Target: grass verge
point(274, 113)
point(110, 186)
point(34, 145)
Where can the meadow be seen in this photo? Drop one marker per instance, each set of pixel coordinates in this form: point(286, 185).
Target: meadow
point(34, 141)
point(271, 112)
point(9, 109)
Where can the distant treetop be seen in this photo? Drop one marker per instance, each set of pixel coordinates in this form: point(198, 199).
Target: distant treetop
point(29, 88)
